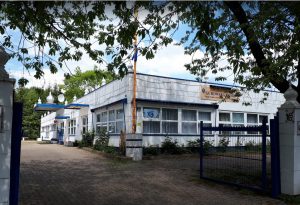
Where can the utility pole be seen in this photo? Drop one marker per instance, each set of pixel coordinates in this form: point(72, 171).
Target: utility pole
point(134, 77)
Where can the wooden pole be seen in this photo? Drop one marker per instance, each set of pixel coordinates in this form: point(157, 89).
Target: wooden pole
point(134, 79)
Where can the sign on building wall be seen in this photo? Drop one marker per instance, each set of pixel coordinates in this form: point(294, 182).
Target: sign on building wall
point(216, 93)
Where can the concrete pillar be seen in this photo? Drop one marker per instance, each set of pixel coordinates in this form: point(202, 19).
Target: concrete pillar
point(6, 102)
point(134, 146)
point(289, 143)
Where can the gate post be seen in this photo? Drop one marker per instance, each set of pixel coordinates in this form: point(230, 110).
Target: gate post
point(289, 143)
point(6, 110)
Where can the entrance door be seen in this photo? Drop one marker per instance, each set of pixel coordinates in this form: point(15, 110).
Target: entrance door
point(61, 134)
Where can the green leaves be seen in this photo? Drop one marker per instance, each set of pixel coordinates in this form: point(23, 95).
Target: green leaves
point(22, 82)
point(64, 31)
point(81, 81)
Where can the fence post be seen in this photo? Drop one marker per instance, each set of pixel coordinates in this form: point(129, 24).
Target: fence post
point(201, 149)
point(15, 153)
point(264, 154)
point(275, 159)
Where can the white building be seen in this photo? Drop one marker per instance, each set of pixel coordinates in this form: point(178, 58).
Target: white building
point(165, 107)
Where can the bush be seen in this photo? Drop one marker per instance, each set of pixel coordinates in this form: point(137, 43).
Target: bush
point(101, 143)
point(223, 143)
point(103, 138)
point(207, 145)
point(88, 139)
point(250, 145)
point(151, 150)
point(170, 146)
point(76, 143)
point(193, 145)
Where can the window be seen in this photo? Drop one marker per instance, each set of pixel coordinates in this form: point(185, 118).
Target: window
point(1, 118)
point(119, 120)
point(234, 119)
point(53, 127)
point(169, 121)
point(261, 117)
point(84, 124)
point(103, 117)
point(224, 120)
point(151, 122)
point(238, 118)
point(252, 119)
point(102, 122)
point(238, 121)
point(151, 113)
point(206, 118)
point(101, 128)
point(224, 117)
point(111, 122)
point(72, 127)
point(189, 121)
point(151, 126)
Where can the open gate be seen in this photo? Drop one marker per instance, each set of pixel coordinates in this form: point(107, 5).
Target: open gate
point(241, 156)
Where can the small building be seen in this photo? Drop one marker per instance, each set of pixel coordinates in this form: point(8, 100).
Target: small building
point(165, 107)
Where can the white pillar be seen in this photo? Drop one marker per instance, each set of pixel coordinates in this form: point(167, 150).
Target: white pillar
point(6, 101)
point(289, 137)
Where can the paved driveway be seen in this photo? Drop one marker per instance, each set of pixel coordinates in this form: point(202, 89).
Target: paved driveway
point(58, 175)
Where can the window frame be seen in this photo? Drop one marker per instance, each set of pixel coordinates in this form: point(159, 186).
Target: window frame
point(100, 123)
point(189, 121)
point(166, 121)
point(145, 119)
point(72, 127)
point(204, 121)
point(84, 125)
point(119, 120)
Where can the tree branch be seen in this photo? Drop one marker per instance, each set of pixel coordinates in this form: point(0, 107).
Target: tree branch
point(256, 49)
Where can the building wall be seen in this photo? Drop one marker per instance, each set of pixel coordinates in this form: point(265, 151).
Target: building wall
point(48, 127)
point(162, 93)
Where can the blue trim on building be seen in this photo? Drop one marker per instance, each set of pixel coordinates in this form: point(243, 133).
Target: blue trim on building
point(48, 107)
point(76, 106)
point(124, 101)
point(62, 117)
point(215, 106)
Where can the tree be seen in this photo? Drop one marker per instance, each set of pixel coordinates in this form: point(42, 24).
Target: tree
point(77, 84)
point(260, 40)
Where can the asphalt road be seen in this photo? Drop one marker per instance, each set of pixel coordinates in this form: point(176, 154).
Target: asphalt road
point(58, 175)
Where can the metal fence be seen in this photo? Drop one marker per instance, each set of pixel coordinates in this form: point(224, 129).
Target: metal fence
point(241, 156)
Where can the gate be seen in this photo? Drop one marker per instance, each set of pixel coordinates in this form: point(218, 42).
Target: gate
point(241, 156)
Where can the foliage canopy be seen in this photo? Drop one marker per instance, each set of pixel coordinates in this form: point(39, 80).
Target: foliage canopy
point(260, 40)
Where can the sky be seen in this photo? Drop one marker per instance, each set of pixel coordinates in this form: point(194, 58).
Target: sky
point(169, 61)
